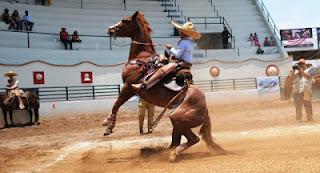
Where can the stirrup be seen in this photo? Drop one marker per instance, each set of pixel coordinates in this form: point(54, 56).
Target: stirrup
point(21, 106)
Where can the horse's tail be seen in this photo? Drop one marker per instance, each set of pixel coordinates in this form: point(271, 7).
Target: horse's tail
point(205, 132)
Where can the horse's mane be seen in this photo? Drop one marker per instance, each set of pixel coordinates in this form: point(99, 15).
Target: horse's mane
point(144, 23)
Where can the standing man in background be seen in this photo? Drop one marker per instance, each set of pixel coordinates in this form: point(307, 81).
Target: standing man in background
point(225, 35)
point(143, 107)
point(302, 89)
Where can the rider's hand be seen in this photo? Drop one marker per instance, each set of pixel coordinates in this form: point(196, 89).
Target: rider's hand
point(168, 46)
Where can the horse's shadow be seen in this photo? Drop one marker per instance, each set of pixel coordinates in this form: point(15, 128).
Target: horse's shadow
point(148, 152)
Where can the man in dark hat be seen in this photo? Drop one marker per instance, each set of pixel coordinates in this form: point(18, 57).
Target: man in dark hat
point(5, 17)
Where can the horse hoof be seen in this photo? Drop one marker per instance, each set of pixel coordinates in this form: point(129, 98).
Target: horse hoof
point(172, 156)
point(105, 122)
point(108, 132)
point(36, 123)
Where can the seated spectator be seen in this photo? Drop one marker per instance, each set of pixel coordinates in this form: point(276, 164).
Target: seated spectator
point(27, 20)
point(44, 2)
point(251, 39)
point(272, 42)
point(266, 42)
point(75, 37)
point(256, 40)
point(15, 22)
point(64, 38)
point(259, 50)
point(5, 17)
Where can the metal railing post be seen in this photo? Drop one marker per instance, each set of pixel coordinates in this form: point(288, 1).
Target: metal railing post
point(211, 82)
point(28, 35)
point(110, 43)
point(119, 89)
point(67, 93)
point(205, 23)
point(93, 93)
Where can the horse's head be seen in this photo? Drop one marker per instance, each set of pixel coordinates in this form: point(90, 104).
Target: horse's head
point(130, 26)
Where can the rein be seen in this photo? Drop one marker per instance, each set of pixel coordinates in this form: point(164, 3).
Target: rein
point(157, 120)
point(145, 44)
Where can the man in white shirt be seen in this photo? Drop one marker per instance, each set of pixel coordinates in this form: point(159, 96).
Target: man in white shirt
point(27, 20)
point(302, 89)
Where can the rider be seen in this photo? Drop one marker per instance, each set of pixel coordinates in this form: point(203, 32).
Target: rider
point(183, 54)
point(13, 88)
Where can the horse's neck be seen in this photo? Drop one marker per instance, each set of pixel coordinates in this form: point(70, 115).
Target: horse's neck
point(143, 47)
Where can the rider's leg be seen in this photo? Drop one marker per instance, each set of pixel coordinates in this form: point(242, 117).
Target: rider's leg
point(142, 111)
point(156, 77)
point(21, 106)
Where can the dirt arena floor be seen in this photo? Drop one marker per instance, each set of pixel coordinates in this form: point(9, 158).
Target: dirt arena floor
point(259, 137)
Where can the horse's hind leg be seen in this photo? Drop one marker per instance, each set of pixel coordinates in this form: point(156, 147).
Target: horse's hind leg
point(176, 137)
point(192, 139)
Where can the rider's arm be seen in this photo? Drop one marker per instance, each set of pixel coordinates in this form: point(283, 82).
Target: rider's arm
point(305, 73)
point(16, 84)
point(181, 48)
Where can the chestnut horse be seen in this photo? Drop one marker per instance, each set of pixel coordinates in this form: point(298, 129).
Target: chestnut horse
point(191, 108)
point(30, 101)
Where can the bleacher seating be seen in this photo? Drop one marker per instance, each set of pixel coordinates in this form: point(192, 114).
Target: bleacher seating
point(97, 15)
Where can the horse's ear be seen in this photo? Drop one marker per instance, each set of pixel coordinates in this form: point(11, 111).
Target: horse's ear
point(134, 16)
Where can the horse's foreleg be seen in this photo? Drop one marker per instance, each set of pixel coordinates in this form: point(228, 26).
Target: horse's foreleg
point(11, 120)
point(125, 95)
point(36, 115)
point(4, 112)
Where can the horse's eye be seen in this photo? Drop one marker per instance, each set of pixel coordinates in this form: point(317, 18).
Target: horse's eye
point(125, 21)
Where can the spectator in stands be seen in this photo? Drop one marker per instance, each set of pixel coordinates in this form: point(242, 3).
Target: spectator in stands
point(5, 17)
point(27, 20)
point(259, 51)
point(266, 42)
point(272, 42)
point(15, 22)
point(64, 38)
point(251, 39)
point(256, 40)
point(143, 107)
point(225, 36)
point(75, 37)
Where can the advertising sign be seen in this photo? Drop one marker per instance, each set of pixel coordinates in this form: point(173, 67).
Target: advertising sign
point(297, 37)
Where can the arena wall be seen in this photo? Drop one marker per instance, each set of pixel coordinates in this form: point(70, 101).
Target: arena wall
point(104, 106)
point(63, 75)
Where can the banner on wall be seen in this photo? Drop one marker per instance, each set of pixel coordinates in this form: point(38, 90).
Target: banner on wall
point(268, 84)
point(296, 37)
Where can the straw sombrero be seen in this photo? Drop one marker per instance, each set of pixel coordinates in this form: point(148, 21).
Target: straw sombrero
point(188, 29)
point(10, 73)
